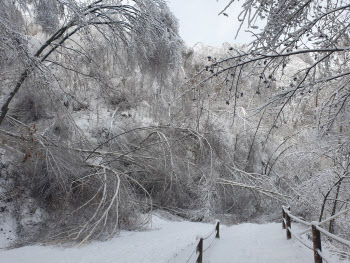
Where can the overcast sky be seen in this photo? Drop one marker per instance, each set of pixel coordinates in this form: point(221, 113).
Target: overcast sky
point(199, 22)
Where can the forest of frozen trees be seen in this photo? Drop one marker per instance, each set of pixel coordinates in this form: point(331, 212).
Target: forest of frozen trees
point(106, 115)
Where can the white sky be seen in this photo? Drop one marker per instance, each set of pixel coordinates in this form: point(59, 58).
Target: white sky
point(199, 22)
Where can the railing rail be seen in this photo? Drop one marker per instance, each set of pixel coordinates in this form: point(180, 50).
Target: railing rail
point(314, 226)
point(200, 246)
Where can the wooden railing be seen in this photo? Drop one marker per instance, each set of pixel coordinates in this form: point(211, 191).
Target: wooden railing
point(314, 226)
point(200, 245)
point(202, 238)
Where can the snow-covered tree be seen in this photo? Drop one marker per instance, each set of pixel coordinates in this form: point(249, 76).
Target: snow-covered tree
point(317, 32)
point(299, 64)
point(146, 29)
point(61, 57)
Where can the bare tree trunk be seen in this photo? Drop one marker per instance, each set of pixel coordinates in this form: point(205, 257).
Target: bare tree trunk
point(331, 223)
point(5, 106)
point(254, 137)
point(326, 197)
point(26, 73)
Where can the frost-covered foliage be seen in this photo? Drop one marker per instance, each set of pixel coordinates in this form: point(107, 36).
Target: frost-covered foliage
point(158, 57)
point(13, 44)
point(47, 14)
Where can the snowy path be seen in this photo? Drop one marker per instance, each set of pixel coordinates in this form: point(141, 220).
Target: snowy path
point(175, 242)
point(251, 243)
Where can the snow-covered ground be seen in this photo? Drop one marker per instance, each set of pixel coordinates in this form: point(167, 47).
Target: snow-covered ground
point(175, 242)
point(161, 243)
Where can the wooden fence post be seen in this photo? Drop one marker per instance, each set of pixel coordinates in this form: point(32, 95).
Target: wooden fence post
point(283, 218)
point(200, 250)
point(288, 225)
point(316, 239)
point(218, 230)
